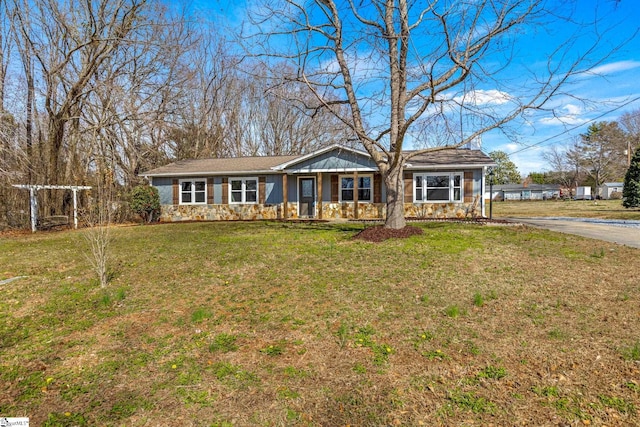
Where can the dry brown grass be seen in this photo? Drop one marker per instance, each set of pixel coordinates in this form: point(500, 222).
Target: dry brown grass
point(606, 209)
point(277, 324)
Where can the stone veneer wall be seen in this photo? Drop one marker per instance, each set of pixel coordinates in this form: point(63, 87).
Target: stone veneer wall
point(437, 210)
point(170, 213)
point(346, 210)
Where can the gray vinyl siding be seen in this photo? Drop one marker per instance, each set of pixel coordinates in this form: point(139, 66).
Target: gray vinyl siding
point(273, 189)
point(335, 160)
point(292, 191)
point(326, 187)
point(217, 190)
point(165, 189)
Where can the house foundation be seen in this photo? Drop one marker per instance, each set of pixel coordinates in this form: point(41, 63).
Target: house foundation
point(252, 212)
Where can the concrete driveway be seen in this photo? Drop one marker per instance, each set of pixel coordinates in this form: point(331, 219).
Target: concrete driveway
point(622, 232)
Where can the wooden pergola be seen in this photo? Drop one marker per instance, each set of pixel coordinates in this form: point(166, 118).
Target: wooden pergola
point(33, 189)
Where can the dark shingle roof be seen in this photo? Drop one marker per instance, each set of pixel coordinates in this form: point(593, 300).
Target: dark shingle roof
point(224, 165)
point(450, 158)
point(264, 164)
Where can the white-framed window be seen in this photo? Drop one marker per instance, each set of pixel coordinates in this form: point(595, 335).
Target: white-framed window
point(365, 188)
point(193, 191)
point(437, 187)
point(243, 190)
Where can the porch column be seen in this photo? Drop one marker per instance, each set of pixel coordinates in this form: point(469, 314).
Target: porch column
point(319, 194)
point(285, 197)
point(355, 194)
point(483, 196)
point(33, 202)
point(75, 208)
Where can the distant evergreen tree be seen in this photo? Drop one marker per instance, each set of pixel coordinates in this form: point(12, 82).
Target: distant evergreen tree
point(540, 177)
point(505, 171)
point(631, 191)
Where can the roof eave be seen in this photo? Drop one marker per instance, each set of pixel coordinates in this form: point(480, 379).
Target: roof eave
point(410, 166)
point(219, 173)
point(332, 170)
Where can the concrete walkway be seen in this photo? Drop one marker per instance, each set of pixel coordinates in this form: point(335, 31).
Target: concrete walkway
point(625, 233)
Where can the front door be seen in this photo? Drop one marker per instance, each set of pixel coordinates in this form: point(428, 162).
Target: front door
point(306, 197)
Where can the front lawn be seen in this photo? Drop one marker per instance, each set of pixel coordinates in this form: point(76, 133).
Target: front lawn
point(273, 324)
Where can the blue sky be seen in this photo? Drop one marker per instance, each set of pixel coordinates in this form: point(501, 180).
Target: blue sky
point(610, 89)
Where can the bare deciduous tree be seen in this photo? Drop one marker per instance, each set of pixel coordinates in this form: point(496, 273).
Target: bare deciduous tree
point(630, 124)
point(136, 95)
point(70, 41)
point(98, 217)
point(280, 121)
point(401, 66)
point(233, 107)
point(213, 99)
point(564, 163)
point(5, 50)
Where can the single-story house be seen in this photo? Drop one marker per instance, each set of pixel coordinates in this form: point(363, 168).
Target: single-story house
point(608, 188)
point(524, 192)
point(330, 183)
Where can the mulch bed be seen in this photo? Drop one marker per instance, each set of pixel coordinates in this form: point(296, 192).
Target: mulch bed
point(379, 233)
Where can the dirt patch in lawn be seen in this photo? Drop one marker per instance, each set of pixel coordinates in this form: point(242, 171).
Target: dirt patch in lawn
point(379, 233)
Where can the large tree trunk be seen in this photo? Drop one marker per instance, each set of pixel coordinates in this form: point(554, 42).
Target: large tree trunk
point(55, 138)
point(395, 198)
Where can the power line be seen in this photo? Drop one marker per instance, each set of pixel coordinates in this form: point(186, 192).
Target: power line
point(575, 127)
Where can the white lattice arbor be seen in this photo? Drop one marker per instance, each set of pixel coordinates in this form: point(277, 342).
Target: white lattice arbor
point(33, 189)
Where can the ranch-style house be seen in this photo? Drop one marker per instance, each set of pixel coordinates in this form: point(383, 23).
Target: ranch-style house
point(330, 183)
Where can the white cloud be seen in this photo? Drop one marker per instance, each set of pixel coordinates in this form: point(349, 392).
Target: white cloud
point(614, 67)
point(569, 114)
point(484, 97)
point(509, 147)
point(529, 162)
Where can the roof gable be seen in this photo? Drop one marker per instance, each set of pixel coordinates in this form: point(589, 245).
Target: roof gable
point(335, 158)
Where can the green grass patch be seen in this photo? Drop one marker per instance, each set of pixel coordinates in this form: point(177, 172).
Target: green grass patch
point(468, 401)
point(273, 350)
point(233, 375)
point(492, 373)
point(632, 352)
point(201, 314)
point(619, 404)
point(224, 343)
point(546, 391)
point(478, 299)
point(67, 419)
point(454, 311)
